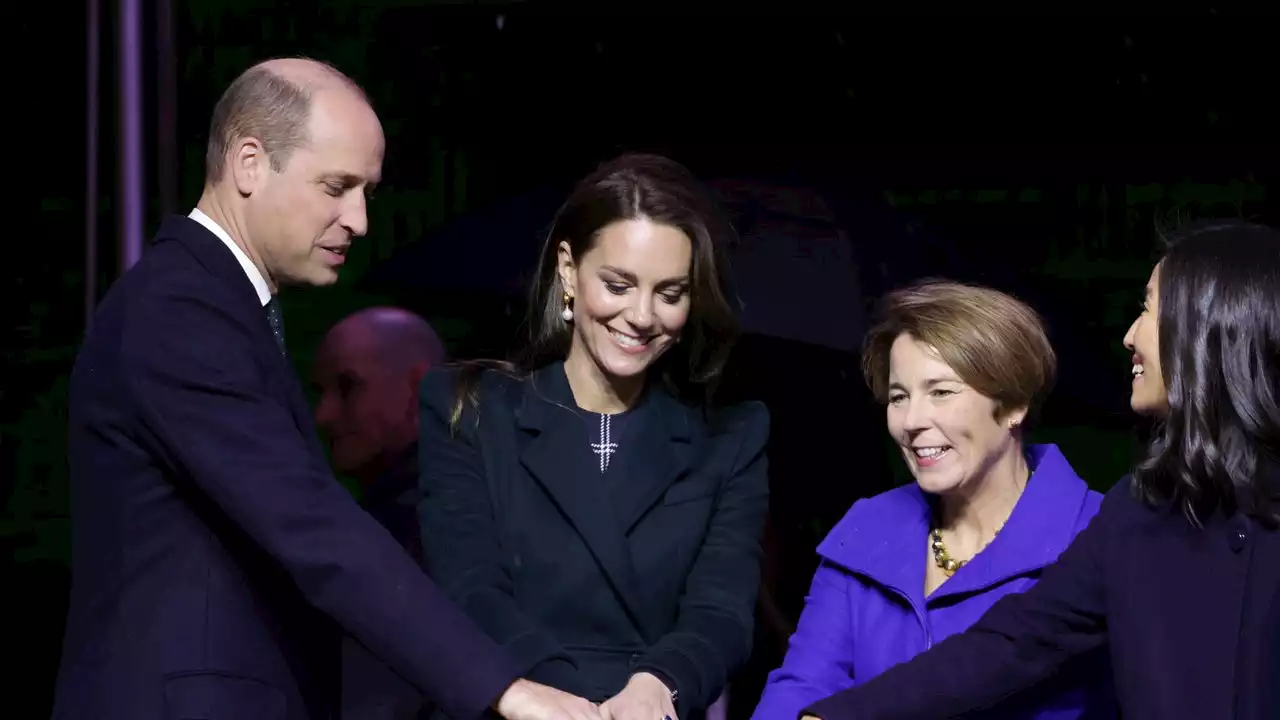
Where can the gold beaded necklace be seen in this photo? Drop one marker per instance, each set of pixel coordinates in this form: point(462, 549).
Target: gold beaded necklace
point(943, 559)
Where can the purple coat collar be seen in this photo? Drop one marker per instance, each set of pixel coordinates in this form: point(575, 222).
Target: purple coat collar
point(883, 538)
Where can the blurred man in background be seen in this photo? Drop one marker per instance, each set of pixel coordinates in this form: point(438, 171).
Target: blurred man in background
point(367, 372)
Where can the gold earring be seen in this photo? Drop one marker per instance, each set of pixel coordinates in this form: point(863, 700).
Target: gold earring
point(567, 313)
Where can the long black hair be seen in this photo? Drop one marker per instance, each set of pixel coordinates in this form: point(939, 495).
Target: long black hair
point(629, 187)
point(1219, 330)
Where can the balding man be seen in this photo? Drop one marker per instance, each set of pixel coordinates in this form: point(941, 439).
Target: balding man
point(216, 561)
point(367, 372)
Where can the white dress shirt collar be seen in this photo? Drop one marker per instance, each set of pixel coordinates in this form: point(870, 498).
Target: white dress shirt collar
point(255, 277)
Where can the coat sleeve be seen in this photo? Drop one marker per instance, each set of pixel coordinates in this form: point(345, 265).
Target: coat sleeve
point(208, 411)
point(716, 617)
point(819, 660)
point(1022, 640)
point(461, 539)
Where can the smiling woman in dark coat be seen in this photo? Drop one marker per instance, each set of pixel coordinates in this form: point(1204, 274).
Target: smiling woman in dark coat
point(589, 506)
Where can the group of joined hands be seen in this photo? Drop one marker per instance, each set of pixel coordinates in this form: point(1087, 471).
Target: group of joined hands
point(644, 698)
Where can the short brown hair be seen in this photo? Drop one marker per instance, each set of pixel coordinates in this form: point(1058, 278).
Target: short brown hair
point(996, 343)
point(265, 105)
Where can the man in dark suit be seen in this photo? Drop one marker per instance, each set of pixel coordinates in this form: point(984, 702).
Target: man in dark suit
point(216, 562)
point(367, 373)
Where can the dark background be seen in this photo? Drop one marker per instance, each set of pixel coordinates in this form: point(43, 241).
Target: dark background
point(1037, 154)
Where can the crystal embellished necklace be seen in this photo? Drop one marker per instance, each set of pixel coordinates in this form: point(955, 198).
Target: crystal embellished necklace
point(606, 447)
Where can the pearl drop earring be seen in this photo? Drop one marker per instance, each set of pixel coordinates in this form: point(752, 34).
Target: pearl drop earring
point(567, 313)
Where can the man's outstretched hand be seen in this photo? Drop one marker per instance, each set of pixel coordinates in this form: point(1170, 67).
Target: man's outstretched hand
point(525, 700)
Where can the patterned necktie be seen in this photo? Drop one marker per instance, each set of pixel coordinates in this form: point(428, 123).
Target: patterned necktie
point(276, 319)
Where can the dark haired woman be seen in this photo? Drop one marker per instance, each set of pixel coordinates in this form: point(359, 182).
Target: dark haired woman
point(1179, 573)
point(587, 505)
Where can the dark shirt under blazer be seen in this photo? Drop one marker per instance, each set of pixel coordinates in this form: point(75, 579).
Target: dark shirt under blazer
point(587, 577)
point(212, 547)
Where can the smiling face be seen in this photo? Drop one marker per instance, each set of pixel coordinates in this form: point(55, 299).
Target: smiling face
point(301, 219)
point(630, 296)
point(1148, 395)
point(949, 433)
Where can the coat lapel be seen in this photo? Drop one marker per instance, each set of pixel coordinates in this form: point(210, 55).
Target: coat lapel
point(218, 260)
point(299, 407)
point(547, 418)
point(666, 435)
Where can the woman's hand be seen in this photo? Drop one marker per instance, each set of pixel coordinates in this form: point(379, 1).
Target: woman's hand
point(644, 698)
point(527, 700)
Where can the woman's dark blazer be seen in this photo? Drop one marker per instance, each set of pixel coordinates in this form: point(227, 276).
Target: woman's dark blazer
point(589, 578)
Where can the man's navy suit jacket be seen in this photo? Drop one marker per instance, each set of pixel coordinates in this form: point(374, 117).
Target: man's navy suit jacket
point(216, 561)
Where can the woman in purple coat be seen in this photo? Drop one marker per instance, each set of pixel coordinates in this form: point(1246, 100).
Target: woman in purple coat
point(1178, 576)
point(960, 368)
